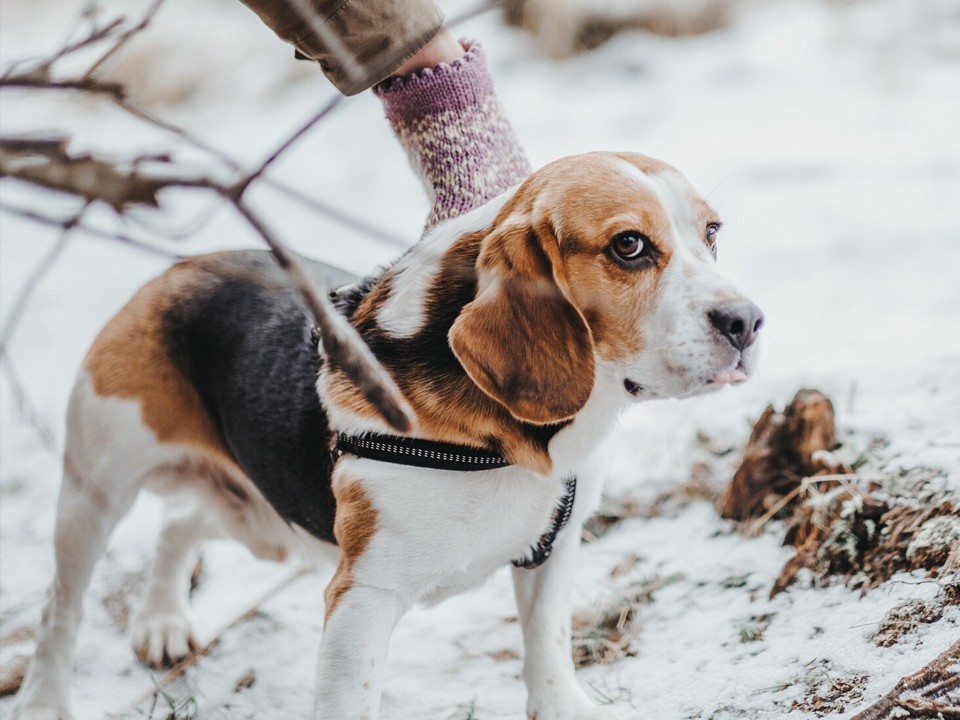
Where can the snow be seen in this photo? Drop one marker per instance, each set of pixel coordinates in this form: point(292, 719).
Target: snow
point(824, 133)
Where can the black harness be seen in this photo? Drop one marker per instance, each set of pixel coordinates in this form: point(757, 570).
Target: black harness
point(460, 458)
point(419, 453)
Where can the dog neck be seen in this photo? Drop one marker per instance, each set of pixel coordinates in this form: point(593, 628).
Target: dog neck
point(404, 315)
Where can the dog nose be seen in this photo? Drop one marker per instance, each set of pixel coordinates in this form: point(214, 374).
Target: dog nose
point(738, 322)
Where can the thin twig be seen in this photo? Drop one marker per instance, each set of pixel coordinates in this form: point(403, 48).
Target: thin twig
point(241, 186)
point(338, 215)
point(25, 407)
point(94, 179)
point(33, 281)
point(758, 524)
point(114, 90)
point(92, 231)
point(125, 37)
point(315, 204)
point(342, 344)
point(318, 26)
point(805, 485)
point(95, 36)
point(933, 674)
point(181, 667)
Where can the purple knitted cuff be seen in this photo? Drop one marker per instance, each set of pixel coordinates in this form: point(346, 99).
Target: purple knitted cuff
point(452, 125)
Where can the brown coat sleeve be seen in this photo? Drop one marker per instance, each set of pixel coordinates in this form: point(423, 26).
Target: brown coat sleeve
point(358, 43)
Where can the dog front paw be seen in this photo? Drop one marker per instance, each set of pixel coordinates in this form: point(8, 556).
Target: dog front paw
point(162, 640)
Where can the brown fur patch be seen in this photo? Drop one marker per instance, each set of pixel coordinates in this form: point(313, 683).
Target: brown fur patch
point(354, 527)
point(521, 340)
point(131, 359)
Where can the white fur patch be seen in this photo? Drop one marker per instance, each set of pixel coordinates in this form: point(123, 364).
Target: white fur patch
point(630, 171)
point(404, 312)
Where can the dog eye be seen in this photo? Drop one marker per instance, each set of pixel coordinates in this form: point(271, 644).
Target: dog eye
point(712, 230)
point(631, 248)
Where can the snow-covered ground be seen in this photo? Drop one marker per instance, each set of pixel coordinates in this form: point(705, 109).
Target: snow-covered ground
point(825, 133)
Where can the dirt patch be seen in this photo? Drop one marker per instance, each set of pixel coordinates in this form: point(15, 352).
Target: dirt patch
point(865, 539)
point(826, 693)
point(906, 617)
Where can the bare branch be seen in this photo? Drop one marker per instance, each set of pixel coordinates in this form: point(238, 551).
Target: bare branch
point(114, 90)
point(46, 163)
point(241, 186)
point(84, 176)
point(27, 410)
point(338, 215)
point(48, 146)
point(341, 343)
point(92, 231)
point(96, 179)
point(95, 36)
point(189, 138)
point(124, 37)
point(931, 682)
point(33, 280)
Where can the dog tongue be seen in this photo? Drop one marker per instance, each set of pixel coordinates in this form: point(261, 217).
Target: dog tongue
point(728, 377)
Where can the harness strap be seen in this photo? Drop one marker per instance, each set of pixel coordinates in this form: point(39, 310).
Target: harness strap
point(450, 456)
point(541, 551)
point(419, 453)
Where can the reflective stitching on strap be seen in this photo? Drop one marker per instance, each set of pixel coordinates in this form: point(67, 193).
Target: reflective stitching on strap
point(418, 452)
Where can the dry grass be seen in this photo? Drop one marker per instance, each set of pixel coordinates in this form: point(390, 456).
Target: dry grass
point(826, 694)
point(865, 538)
point(843, 523)
point(603, 635)
point(906, 617)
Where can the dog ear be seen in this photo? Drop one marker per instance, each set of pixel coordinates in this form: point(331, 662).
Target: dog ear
point(521, 340)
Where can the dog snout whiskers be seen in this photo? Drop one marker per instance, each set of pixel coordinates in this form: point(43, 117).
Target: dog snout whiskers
point(738, 322)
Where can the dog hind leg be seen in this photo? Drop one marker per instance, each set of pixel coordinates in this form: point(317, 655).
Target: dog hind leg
point(162, 633)
point(108, 455)
point(86, 515)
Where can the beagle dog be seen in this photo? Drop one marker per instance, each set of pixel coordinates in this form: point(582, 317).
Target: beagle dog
point(517, 333)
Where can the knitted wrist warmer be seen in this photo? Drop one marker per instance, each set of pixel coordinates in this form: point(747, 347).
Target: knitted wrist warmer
point(454, 130)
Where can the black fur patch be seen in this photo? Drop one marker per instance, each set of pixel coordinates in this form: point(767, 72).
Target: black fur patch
point(244, 342)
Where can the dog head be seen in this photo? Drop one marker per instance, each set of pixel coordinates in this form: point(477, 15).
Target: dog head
point(603, 258)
